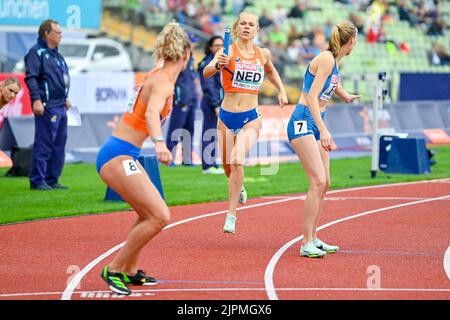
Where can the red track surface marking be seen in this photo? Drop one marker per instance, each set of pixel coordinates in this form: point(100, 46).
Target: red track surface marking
point(196, 260)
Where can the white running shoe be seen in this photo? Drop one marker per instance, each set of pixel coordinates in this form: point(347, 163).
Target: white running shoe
point(325, 247)
point(311, 251)
point(213, 170)
point(230, 224)
point(243, 196)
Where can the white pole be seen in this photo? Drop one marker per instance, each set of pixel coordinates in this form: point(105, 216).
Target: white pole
point(377, 105)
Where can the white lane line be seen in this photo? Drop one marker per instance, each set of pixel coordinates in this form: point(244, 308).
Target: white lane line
point(76, 279)
point(359, 198)
point(268, 276)
point(447, 262)
point(95, 294)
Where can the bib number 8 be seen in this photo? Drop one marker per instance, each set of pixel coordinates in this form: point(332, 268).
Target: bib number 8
point(131, 167)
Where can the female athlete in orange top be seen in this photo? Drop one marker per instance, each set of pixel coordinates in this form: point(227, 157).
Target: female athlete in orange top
point(9, 88)
point(117, 165)
point(239, 120)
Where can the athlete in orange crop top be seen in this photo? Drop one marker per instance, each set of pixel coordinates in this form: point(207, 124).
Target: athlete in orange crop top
point(239, 121)
point(243, 74)
point(117, 165)
point(137, 107)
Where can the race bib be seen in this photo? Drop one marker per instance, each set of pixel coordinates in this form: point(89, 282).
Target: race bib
point(131, 167)
point(134, 97)
point(248, 75)
point(328, 93)
point(300, 127)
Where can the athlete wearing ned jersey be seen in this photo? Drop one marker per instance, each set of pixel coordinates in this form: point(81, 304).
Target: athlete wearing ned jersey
point(117, 165)
point(310, 137)
point(239, 123)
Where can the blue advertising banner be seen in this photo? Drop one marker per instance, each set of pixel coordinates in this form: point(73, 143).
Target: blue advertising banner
point(424, 86)
point(71, 14)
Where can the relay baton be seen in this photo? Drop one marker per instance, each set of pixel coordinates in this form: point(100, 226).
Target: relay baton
point(226, 40)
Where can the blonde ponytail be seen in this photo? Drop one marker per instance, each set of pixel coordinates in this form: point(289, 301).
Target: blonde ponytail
point(171, 44)
point(340, 35)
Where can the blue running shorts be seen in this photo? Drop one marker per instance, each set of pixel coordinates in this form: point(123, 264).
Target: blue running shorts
point(114, 147)
point(235, 121)
point(302, 123)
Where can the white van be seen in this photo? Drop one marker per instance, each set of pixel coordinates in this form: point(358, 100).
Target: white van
point(91, 55)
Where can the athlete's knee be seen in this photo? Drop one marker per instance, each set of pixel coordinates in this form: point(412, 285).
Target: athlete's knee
point(159, 217)
point(237, 159)
point(237, 167)
point(162, 217)
point(319, 186)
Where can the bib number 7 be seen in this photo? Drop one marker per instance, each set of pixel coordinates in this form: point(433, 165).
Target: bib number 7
point(300, 127)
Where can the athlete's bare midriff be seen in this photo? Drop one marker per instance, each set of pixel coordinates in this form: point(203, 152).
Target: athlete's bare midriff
point(302, 100)
point(125, 132)
point(239, 101)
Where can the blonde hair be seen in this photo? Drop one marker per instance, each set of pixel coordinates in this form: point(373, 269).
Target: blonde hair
point(234, 31)
point(340, 35)
point(171, 44)
point(9, 81)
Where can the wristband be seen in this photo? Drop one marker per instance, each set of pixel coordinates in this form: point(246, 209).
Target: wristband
point(217, 65)
point(158, 139)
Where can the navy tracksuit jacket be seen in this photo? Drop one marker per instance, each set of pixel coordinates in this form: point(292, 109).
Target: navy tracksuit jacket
point(212, 98)
point(47, 78)
point(182, 117)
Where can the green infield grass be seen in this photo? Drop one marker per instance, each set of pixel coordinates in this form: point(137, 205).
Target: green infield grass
point(185, 185)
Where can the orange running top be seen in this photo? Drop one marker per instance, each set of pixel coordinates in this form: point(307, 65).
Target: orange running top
point(135, 116)
point(242, 74)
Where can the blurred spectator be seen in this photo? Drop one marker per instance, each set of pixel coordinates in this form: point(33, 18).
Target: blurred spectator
point(307, 52)
point(376, 33)
point(278, 38)
point(319, 41)
point(238, 6)
point(210, 104)
point(191, 9)
point(264, 19)
point(357, 21)
point(293, 34)
point(405, 14)
point(328, 28)
point(294, 49)
point(153, 6)
point(387, 16)
point(133, 12)
point(437, 27)
point(279, 16)
point(181, 123)
point(375, 11)
point(438, 55)
point(298, 10)
point(223, 6)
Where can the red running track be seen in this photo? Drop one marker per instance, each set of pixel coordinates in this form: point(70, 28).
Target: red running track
point(395, 250)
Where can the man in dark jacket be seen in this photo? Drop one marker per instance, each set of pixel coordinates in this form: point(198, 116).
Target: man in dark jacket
point(212, 98)
point(47, 78)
